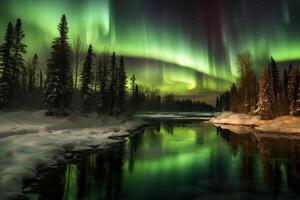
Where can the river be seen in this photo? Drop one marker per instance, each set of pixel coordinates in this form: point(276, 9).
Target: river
point(180, 160)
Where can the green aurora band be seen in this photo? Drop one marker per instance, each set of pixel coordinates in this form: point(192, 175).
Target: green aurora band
point(170, 56)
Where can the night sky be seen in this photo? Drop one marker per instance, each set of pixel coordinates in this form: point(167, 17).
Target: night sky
point(187, 47)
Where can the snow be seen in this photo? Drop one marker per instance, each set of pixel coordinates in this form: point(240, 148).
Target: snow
point(29, 140)
point(284, 124)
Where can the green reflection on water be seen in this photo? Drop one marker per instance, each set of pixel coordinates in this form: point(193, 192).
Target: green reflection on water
point(187, 161)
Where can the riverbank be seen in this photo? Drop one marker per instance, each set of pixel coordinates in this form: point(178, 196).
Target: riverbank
point(244, 123)
point(31, 140)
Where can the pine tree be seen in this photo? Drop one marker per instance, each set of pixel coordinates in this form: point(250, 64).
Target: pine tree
point(234, 98)
point(285, 82)
point(122, 80)
point(18, 50)
point(6, 78)
point(275, 78)
point(133, 89)
point(86, 81)
point(32, 74)
point(112, 86)
point(265, 102)
point(58, 86)
point(293, 89)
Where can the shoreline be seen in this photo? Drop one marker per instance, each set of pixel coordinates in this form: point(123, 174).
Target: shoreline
point(31, 141)
point(242, 123)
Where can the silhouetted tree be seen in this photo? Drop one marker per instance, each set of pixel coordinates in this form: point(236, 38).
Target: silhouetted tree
point(234, 98)
point(112, 86)
point(18, 50)
point(58, 86)
point(86, 82)
point(121, 93)
point(247, 82)
point(6, 77)
point(32, 74)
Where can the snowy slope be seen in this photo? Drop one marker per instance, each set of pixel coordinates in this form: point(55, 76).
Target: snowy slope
point(30, 139)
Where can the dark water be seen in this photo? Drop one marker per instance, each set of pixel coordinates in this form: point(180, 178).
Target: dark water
point(182, 161)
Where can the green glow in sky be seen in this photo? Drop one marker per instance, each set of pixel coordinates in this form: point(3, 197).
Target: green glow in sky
point(185, 64)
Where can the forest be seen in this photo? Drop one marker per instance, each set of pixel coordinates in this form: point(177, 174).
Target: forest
point(275, 94)
point(72, 81)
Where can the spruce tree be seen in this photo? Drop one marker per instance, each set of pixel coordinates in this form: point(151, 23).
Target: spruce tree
point(6, 78)
point(32, 74)
point(275, 78)
point(122, 80)
point(112, 86)
point(293, 90)
point(265, 102)
point(133, 97)
point(18, 50)
point(58, 86)
point(86, 82)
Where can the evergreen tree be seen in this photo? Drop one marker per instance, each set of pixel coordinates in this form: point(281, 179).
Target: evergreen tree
point(122, 80)
point(265, 102)
point(6, 78)
point(58, 86)
point(103, 81)
point(275, 78)
point(86, 82)
point(234, 98)
point(18, 50)
point(133, 88)
point(32, 74)
point(293, 89)
point(112, 86)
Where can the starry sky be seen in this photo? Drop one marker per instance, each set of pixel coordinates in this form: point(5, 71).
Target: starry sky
point(187, 47)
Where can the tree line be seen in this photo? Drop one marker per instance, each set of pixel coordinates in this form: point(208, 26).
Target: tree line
point(102, 84)
point(98, 84)
point(275, 94)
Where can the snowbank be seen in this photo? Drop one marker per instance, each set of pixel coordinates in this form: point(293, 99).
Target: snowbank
point(29, 140)
point(285, 124)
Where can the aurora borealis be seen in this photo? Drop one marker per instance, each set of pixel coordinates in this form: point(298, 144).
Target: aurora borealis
point(187, 47)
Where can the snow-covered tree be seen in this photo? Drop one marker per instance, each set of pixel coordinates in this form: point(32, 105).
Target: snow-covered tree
point(265, 98)
point(86, 82)
point(293, 89)
point(6, 68)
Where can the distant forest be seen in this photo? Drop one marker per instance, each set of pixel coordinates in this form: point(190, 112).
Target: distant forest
point(275, 94)
point(70, 82)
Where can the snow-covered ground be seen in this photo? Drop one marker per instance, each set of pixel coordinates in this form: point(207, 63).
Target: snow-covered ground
point(29, 140)
point(284, 124)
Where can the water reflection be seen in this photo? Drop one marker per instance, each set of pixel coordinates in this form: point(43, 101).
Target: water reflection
point(183, 161)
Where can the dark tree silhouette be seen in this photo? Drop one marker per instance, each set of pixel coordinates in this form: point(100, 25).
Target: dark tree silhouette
point(122, 80)
point(112, 86)
point(58, 86)
point(86, 82)
point(18, 50)
point(32, 74)
point(6, 68)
